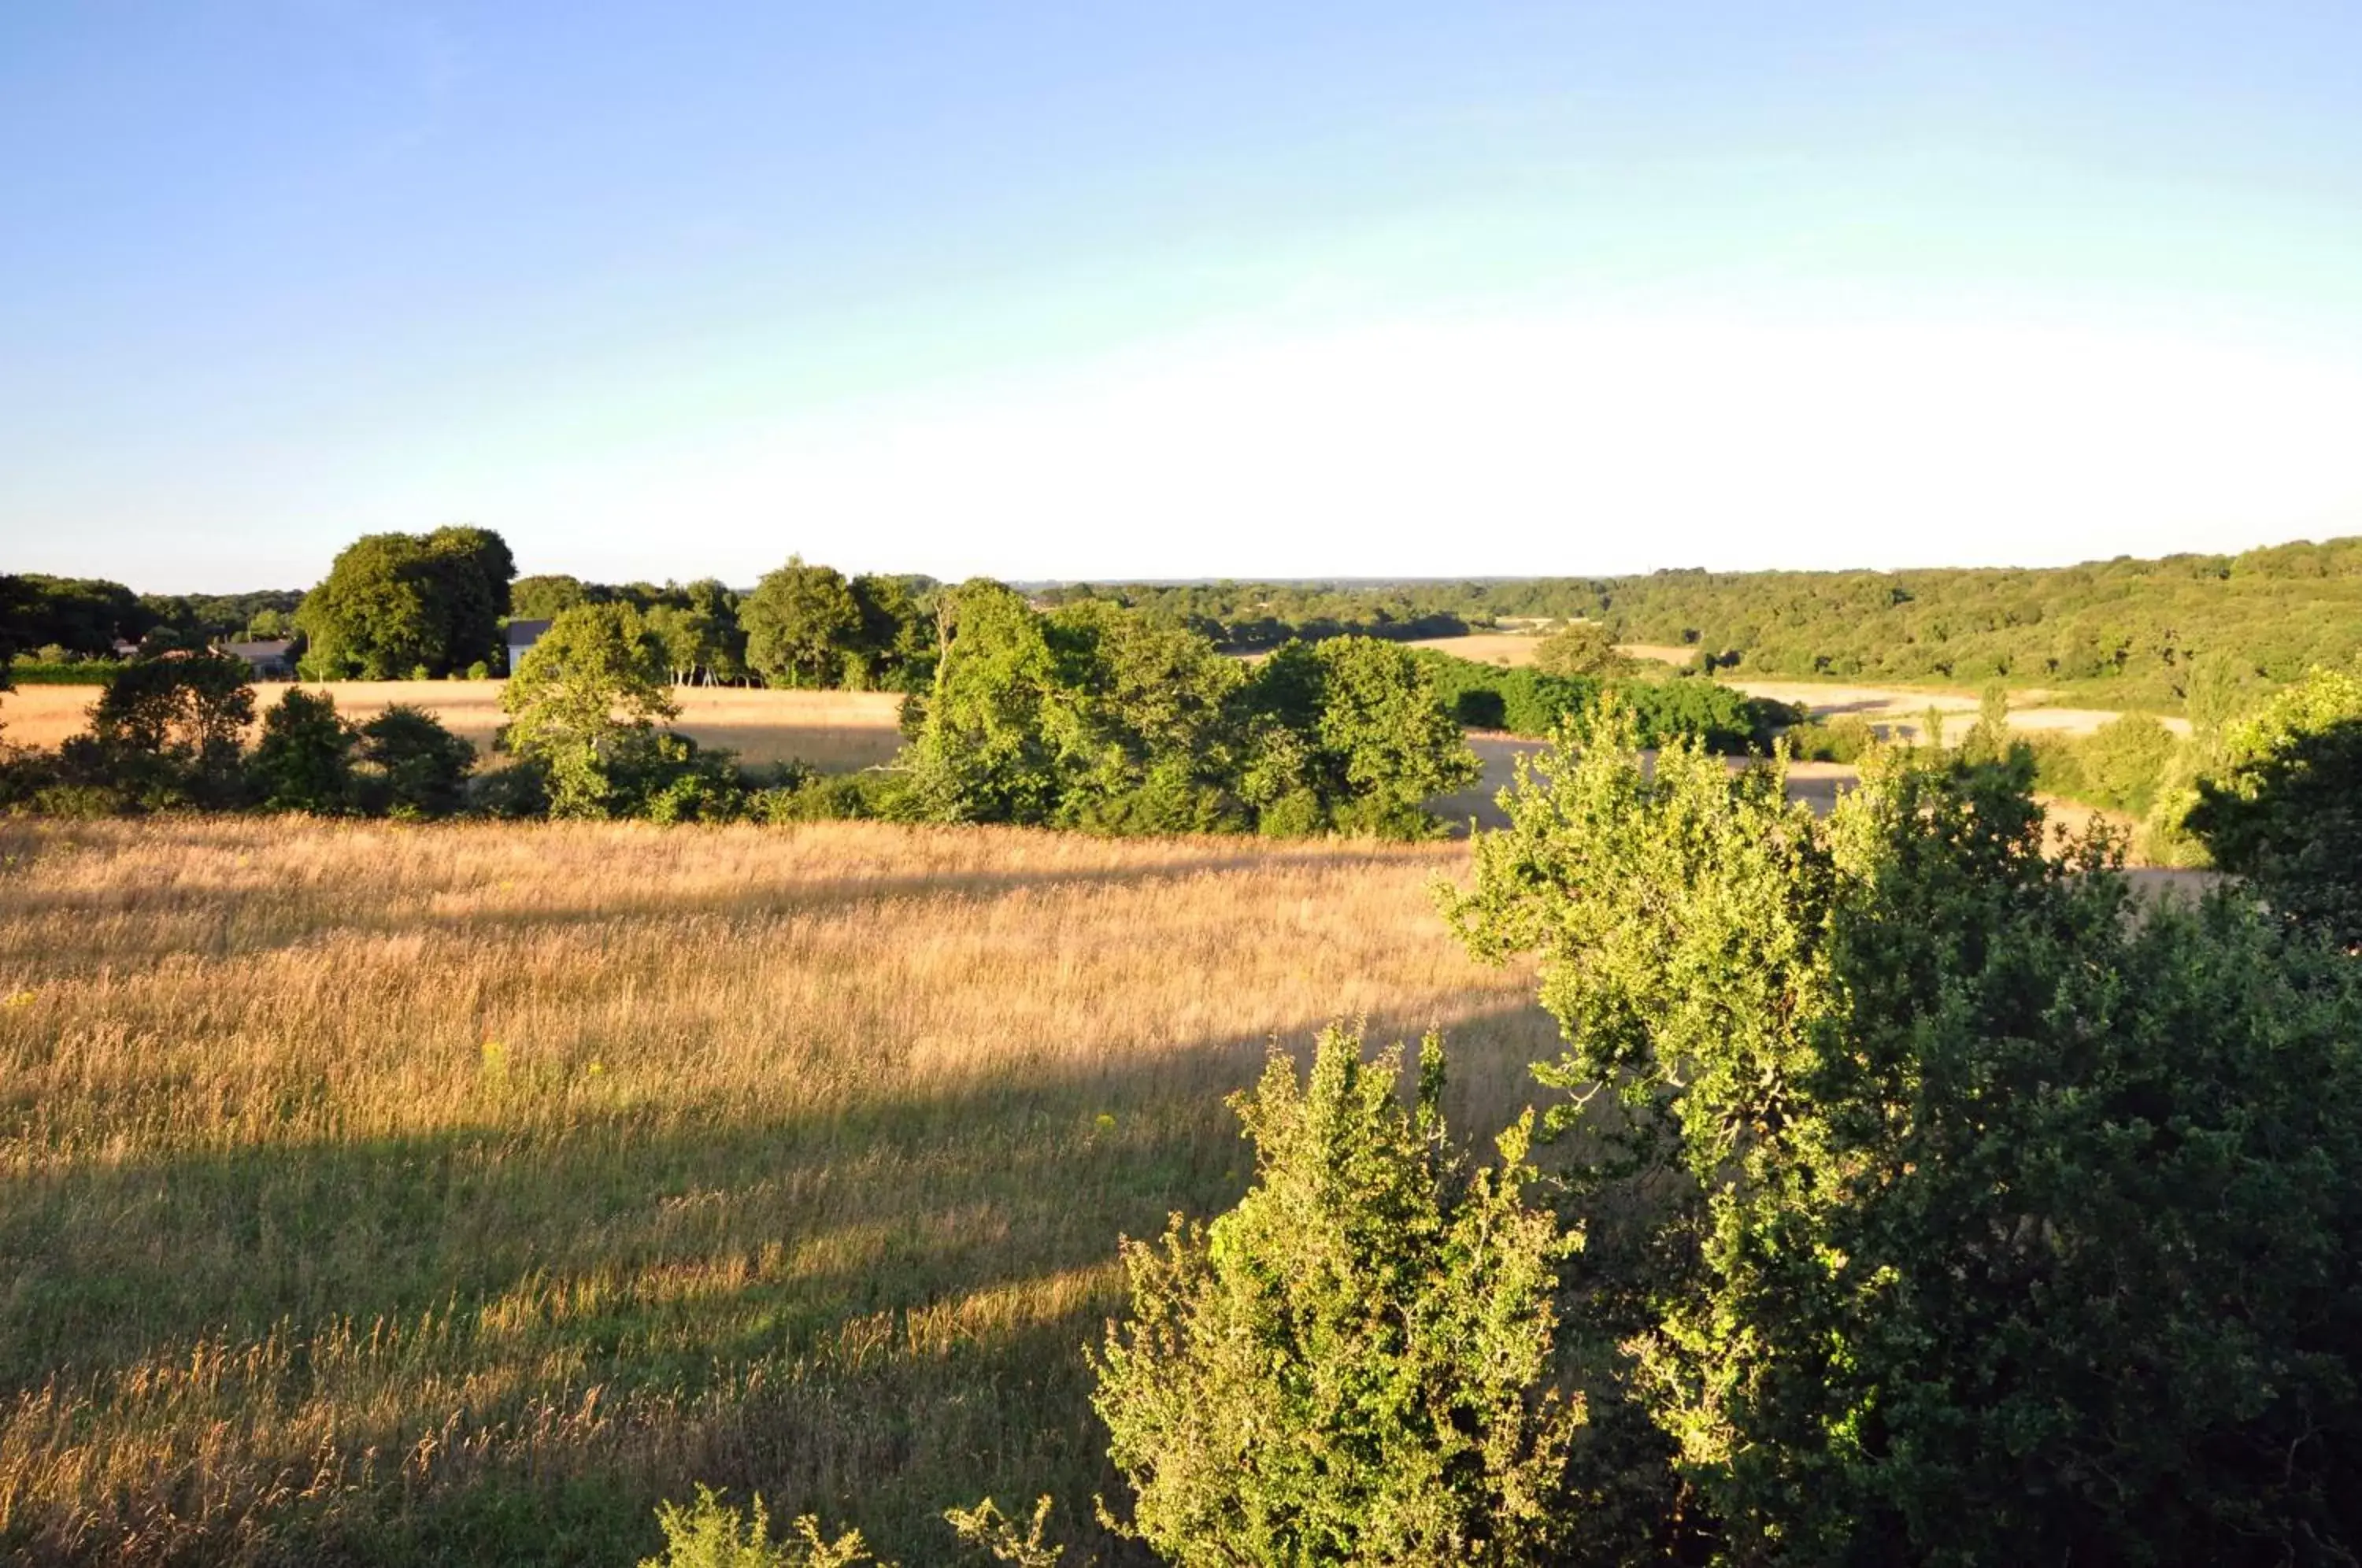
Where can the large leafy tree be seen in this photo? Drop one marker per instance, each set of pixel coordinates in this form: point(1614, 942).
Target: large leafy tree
point(1978, 1221)
point(1354, 1364)
point(583, 704)
point(897, 635)
point(168, 731)
point(304, 760)
point(1350, 733)
point(982, 752)
point(802, 625)
point(393, 604)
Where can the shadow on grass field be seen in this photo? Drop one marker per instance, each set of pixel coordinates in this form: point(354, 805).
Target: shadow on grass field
point(399, 1196)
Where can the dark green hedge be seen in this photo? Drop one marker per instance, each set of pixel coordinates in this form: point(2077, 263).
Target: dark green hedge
point(92, 673)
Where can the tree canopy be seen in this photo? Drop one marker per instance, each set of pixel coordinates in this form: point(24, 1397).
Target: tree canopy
point(396, 605)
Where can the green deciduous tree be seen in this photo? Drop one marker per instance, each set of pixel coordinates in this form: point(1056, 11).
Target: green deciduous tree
point(169, 731)
point(304, 759)
point(802, 625)
point(1349, 733)
point(1352, 1365)
point(410, 766)
point(393, 604)
point(1980, 1222)
point(583, 703)
point(1581, 648)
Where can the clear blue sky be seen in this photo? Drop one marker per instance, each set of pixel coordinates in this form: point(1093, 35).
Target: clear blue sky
point(1109, 290)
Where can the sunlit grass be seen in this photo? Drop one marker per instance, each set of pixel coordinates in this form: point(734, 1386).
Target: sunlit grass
point(460, 1191)
point(834, 731)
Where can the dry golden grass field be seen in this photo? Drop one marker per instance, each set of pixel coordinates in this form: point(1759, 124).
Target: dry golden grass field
point(834, 731)
point(450, 1193)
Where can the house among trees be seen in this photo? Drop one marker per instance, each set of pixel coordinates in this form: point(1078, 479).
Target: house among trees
point(522, 635)
point(267, 660)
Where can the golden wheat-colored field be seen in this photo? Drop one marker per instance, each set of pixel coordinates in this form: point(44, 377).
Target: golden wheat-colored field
point(834, 731)
point(451, 1194)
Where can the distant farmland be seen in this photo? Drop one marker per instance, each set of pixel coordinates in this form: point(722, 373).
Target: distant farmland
point(830, 730)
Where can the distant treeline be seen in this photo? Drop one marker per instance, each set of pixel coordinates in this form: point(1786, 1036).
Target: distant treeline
point(2182, 631)
point(2140, 632)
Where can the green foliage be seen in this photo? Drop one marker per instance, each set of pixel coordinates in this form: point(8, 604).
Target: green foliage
point(304, 760)
point(582, 705)
point(167, 731)
point(1977, 1221)
point(1350, 734)
point(72, 672)
point(2286, 809)
point(1581, 648)
point(1352, 1365)
point(1846, 738)
point(1105, 719)
point(711, 1533)
point(802, 624)
point(986, 1530)
point(82, 616)
point(410, 766)
point(1527, 701)
point(397, 604)
point(2193, 630)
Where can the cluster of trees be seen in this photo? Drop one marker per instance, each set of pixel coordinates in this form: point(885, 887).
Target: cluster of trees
point(1249, 617)
point(1090, 716)
point(1532, 702)
point(1915, 1197)
point(803, 626)
point(1097, 716)
point(168, 731)
point(58, 621)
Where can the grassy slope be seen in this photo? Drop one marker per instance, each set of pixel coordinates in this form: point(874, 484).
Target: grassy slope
point(401, 1196)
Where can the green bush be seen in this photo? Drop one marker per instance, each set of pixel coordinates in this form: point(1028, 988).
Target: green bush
point(1846, 738)
point(1977, 1221)
point(1354, 1364)
point(304, 760)
point(711, 1533)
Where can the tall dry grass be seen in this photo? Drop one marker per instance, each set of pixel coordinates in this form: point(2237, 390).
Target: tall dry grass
point(834, 731)
point(451, 1194)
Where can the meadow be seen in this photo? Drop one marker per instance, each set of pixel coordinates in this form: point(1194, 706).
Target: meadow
point(416, 1194)
point(833, 731)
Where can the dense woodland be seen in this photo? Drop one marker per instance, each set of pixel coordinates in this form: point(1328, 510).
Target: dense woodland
point(2153, 633)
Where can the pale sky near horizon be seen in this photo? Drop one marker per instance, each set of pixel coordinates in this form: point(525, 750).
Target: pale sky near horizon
point(1116, 290)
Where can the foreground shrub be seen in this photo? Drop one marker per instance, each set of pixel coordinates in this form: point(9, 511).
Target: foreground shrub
point(1353, 1366)
point(710, 1533)
point(1982, 1221)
